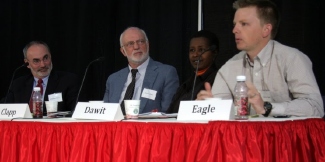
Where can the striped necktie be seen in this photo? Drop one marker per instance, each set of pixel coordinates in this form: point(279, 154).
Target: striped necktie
point(39, 84)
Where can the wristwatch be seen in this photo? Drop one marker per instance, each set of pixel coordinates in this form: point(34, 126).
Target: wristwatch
point(268, 108)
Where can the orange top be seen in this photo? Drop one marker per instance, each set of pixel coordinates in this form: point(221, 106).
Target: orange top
point(201, 72)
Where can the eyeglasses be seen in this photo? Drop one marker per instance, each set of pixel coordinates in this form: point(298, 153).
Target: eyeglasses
point(131, 43)
point(45, 59)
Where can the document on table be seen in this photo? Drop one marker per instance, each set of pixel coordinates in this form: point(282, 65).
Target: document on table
point(156, 115)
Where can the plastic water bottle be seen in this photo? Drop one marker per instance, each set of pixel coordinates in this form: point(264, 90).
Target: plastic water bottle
point(241, 99)
point(37, 103)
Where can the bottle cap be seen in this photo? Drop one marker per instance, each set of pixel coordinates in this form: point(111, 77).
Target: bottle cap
point(241, 78)
point(37, 89)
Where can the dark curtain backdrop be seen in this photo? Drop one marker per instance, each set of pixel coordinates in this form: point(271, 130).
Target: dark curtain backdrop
point(79, 31)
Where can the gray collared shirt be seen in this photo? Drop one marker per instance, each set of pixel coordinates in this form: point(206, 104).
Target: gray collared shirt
point(284, 72)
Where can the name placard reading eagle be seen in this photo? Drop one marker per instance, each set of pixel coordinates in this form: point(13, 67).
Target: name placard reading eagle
point(206, 110)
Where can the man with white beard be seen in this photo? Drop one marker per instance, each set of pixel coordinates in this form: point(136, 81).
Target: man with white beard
point(155, 83)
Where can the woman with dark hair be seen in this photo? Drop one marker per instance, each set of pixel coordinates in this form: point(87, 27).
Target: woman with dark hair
point(207, 70)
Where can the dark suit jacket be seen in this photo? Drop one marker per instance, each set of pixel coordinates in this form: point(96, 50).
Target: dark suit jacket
point(184, 92)
point(59, 82)
point(159, 77)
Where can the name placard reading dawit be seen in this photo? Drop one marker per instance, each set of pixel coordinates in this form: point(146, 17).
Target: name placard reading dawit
point(206, 110)
point(10, 111)
point(102, 111)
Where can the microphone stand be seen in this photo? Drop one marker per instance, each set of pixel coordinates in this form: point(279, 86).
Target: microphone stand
point(83, 80)
point(12, 79)
point(196, 70)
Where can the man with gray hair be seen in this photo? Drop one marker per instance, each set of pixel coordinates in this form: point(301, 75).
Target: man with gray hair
point(38, 56)
point(154, 83)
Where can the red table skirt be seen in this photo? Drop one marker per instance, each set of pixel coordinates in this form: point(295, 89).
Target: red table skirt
point(301, 140)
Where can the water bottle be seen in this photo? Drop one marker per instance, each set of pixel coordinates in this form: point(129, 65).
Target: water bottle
point(37, 103)
point(241, 99)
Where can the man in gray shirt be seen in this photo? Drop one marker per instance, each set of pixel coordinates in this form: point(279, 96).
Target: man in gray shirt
point(280, 78)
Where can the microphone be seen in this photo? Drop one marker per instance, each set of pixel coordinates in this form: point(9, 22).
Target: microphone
point(83, 80)
point(212, 48)
point(12, 79)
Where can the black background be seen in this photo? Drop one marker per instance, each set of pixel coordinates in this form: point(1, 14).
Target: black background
point(79, 31)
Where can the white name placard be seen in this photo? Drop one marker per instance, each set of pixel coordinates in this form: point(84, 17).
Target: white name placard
point(102, 111)
point(10, 111)
point(206, 110)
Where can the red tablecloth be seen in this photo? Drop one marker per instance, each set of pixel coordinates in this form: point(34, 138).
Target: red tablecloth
point(301, 140)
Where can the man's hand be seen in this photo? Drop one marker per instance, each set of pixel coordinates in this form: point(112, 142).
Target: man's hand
point(255, 98)
point(203, 94)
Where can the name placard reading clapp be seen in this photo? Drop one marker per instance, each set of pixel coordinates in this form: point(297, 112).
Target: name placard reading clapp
point(206, 110)
point(102, 111)
point(10, 111)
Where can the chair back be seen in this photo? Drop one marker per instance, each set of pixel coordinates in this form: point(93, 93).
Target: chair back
point(323, 97)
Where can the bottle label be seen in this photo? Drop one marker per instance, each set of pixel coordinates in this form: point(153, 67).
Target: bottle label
point(241, 106)
point(37, 110)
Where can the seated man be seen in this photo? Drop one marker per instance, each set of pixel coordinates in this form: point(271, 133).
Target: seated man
point(39, 57)
point(153, 83)
point(280, 78)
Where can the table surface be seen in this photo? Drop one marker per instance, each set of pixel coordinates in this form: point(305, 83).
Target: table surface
point(166, 120)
